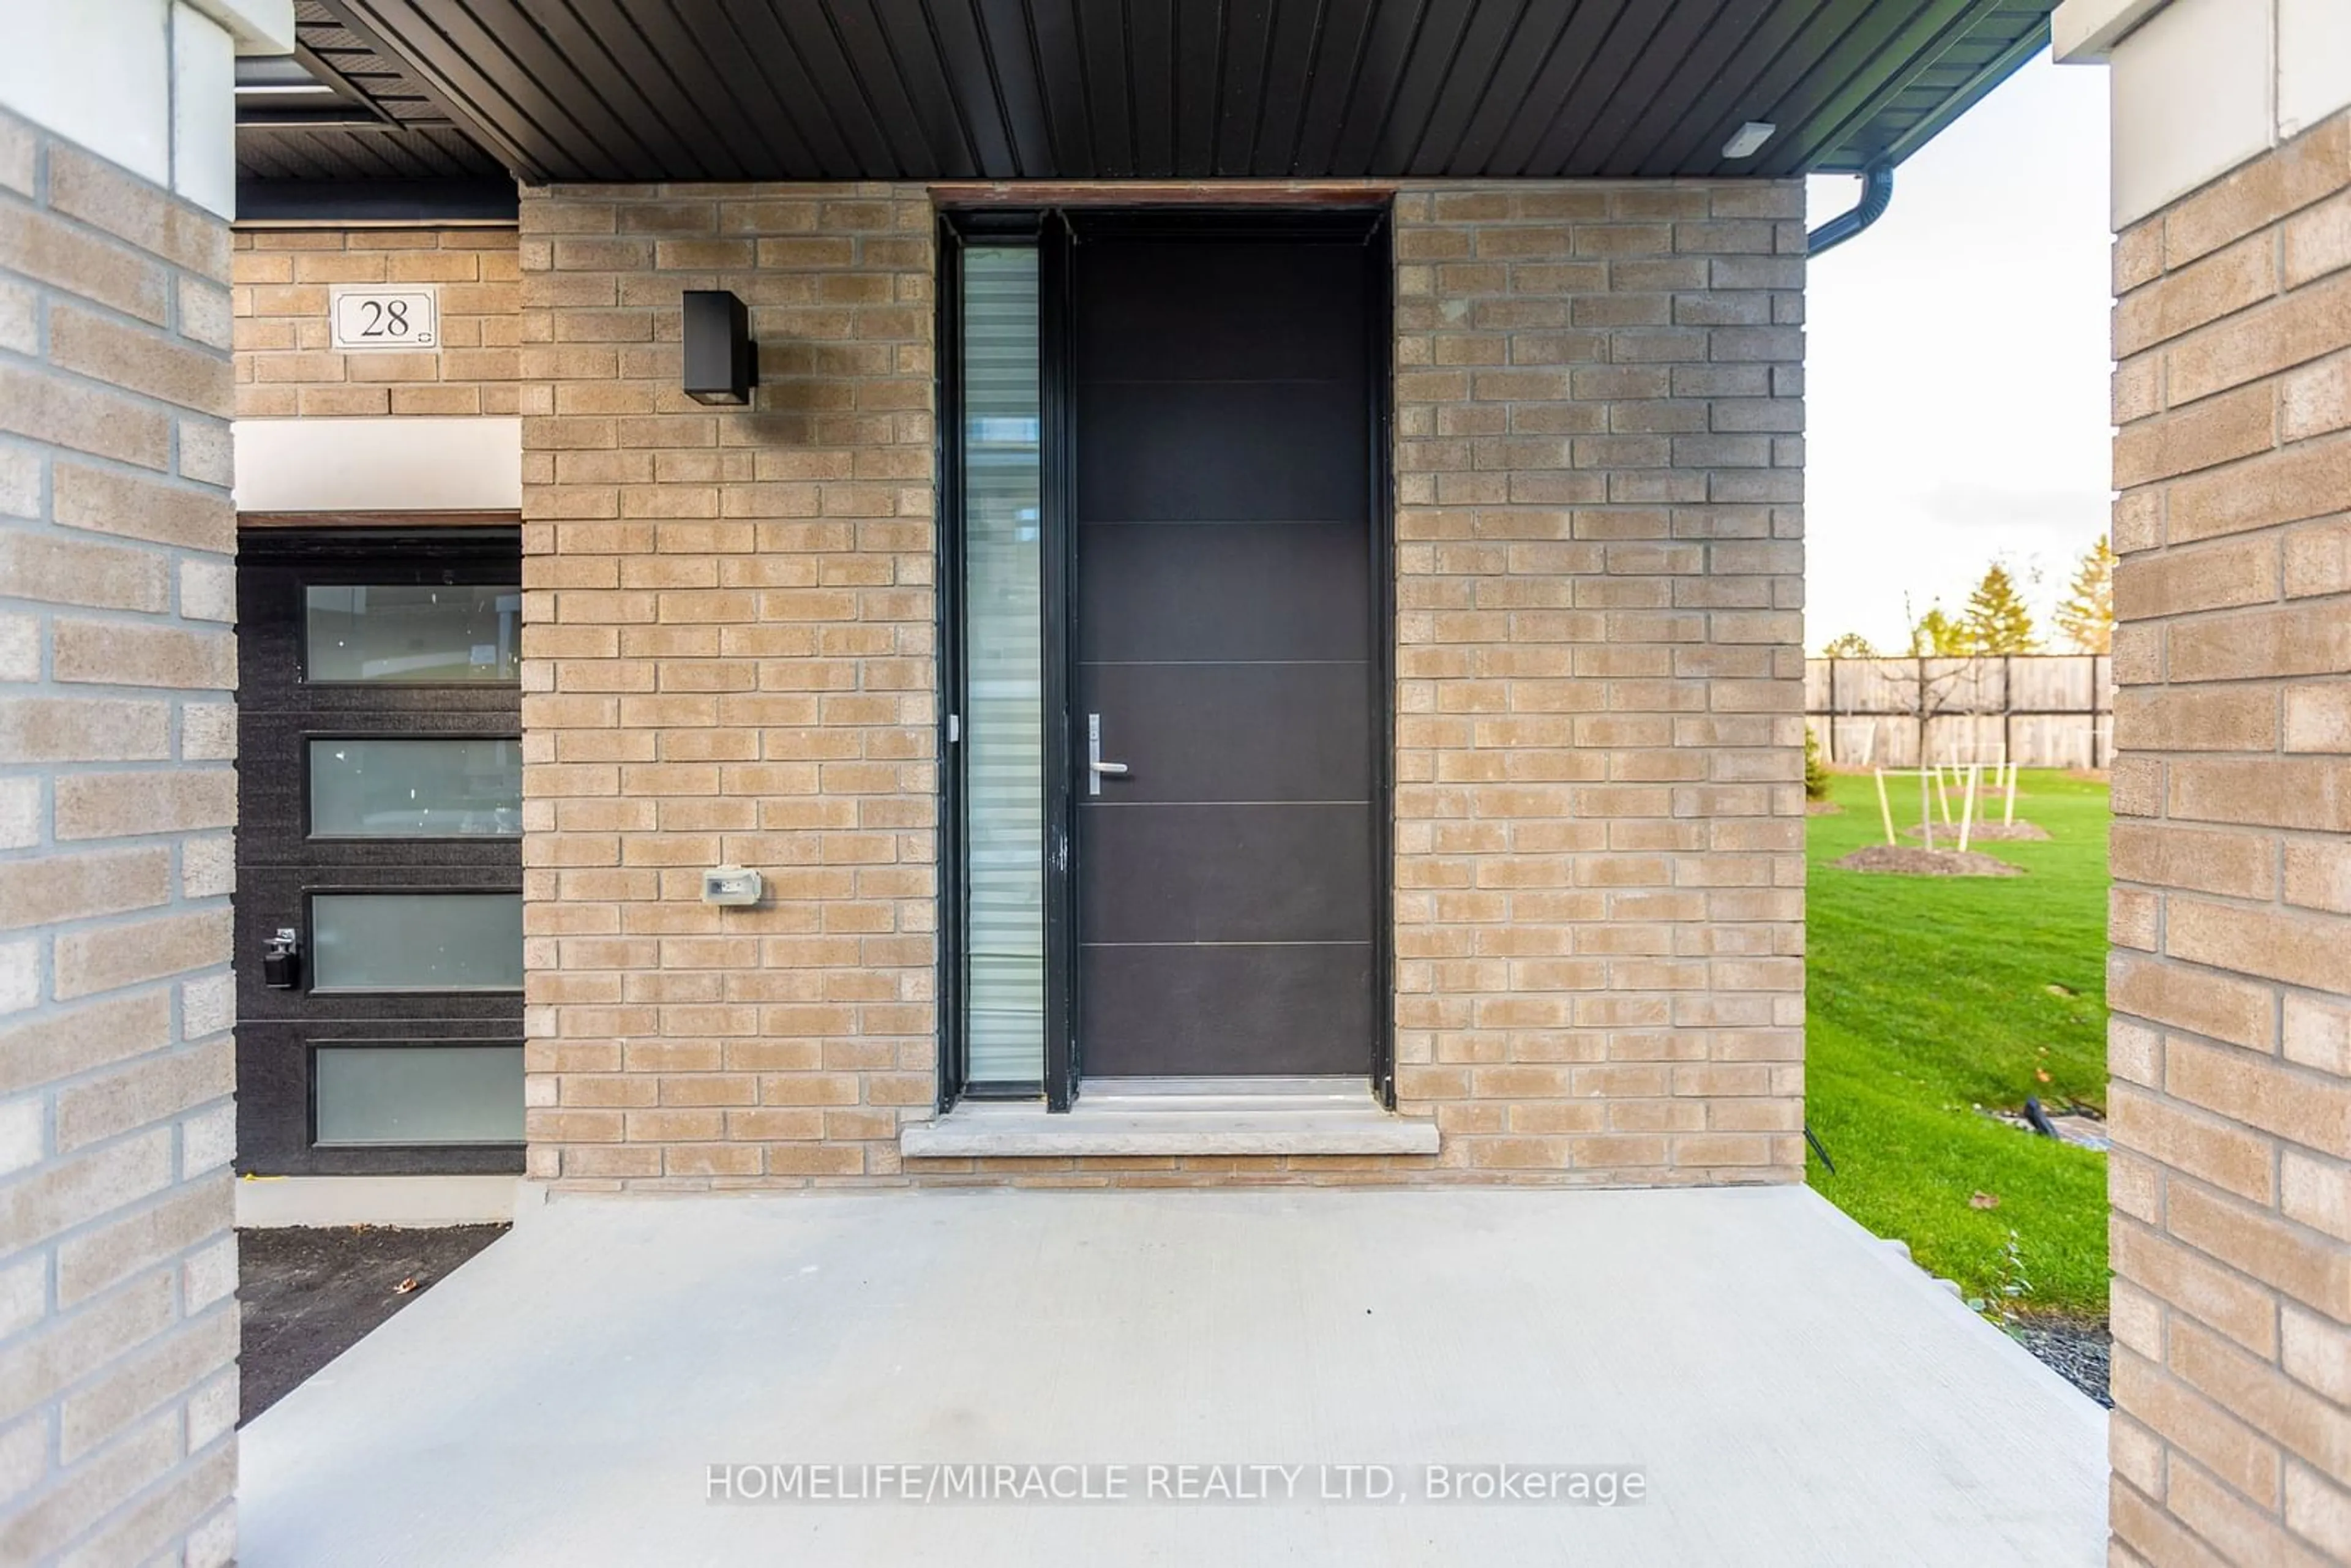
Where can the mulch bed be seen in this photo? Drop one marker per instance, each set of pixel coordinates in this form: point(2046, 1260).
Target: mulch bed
point(2080, 1352)
point(309, 1295)
point(1991, 830)
point(1901, 860)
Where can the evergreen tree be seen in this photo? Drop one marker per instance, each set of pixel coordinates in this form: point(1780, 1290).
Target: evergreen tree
point(1816, 773)
point(1938, 636)
point(1849, 645)
point(1997, 621)
point(2086, 613)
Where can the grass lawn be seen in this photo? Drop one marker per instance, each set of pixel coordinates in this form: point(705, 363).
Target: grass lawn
point(1930, 997)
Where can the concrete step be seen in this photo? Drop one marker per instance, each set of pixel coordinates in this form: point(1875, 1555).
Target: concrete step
point(1139, 1116)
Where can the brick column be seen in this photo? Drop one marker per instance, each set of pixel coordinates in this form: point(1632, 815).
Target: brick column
point(1599, 803)
point(727, 639)
point(2231, 920)
point(118, 736)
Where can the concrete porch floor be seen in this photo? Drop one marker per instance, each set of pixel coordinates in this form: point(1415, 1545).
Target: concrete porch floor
point(1793, 1390)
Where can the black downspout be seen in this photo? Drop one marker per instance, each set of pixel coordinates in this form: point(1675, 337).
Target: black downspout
point(1877, 191)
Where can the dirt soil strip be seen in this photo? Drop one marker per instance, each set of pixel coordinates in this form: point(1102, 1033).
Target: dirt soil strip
point(309, 1295)
point(1903, 860)
point(2023, 830)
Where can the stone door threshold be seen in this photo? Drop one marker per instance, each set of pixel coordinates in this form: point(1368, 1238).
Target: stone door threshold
point(1125, 1117)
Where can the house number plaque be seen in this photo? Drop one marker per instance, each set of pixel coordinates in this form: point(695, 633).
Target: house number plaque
point(402, 318)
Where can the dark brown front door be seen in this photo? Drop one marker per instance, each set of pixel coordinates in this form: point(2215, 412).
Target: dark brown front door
point(1224, 621)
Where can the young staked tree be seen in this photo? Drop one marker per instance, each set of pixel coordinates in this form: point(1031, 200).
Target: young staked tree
point(1937, 641)
point(1848, 646)
point(2086, 613)
point(1997, 619)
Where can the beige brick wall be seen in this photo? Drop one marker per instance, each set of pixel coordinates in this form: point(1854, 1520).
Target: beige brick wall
point(727, 657)
point(728, 650)
point(1600, 581)
point(2230, 980)
point(118, 737)
point(283, 279)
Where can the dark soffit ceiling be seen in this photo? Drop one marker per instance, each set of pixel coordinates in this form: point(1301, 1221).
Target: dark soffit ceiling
point(1072, 89)
point(341, 114)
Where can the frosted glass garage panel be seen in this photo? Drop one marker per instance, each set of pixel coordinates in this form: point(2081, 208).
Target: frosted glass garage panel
point(415, 789)
point(416, 941)
point(412, 634)
point(418, 1093)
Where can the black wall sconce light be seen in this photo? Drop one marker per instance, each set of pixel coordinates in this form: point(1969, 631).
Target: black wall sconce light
point(722, 363)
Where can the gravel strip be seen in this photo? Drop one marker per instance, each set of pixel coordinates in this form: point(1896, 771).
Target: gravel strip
point(2079, 1352)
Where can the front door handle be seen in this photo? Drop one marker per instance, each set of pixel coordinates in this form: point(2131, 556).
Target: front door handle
point(281, 957)
point(1095, 766)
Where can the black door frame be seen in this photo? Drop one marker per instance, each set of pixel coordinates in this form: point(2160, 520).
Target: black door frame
point(1057, 233)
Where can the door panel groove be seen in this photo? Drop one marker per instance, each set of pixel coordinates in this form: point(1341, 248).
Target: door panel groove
point(1361, 944)
point(1147, 805)
point(1350, 382)
point(1225, 664)
point(1217, 523)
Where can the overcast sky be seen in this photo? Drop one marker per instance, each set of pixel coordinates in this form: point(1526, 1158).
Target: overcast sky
point(1957, 366)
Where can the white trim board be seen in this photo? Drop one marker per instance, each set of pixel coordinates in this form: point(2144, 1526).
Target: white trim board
point(2202, 87)
point(2089, 29)
point(393, 464)
point(145, 84)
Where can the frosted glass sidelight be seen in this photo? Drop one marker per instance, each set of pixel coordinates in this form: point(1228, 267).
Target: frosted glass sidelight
point(415, 634)
point(416, 941)
point(418, 1094)
point(415, 789)
point(1004, 642)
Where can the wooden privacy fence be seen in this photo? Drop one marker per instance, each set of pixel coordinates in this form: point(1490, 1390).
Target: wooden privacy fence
point(2039, 710)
